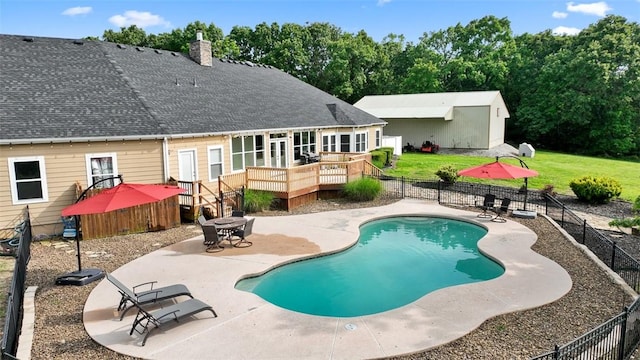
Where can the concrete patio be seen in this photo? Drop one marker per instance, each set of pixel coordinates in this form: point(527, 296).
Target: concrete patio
point(247, 327)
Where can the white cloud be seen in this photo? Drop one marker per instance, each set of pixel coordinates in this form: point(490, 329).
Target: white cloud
point(563, 30)
point(383, 2)
point(560, 14)
point(141, 19)
point(79, 10)
point(597, 8)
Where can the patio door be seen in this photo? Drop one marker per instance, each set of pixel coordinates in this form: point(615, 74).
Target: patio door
point(187, 165)
point(279, 153)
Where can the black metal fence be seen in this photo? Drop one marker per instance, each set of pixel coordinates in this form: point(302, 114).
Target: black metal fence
point(615, 339)
point(13, 317)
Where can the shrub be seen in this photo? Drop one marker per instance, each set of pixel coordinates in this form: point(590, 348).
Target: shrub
point(365, 189)
point(448, 173)
point(636, 206)
point(549, 189)
point(595, 190)
point(256, 200)
point(378, 158)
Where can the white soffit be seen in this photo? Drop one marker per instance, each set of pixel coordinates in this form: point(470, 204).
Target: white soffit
point(426, 112)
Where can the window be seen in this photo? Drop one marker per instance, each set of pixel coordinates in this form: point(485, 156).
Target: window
point(303, 141)
point(215, 162)
point(247, 151)
point(345, 143)
point(101, 167)
point(378, 143)
point(28, 180)
point(361, 142)
point(329, 143)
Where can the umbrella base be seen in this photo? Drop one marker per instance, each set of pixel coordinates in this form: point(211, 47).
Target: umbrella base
point(524, 214)
point(80, 277)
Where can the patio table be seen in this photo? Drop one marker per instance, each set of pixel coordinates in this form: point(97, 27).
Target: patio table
point(227, 225)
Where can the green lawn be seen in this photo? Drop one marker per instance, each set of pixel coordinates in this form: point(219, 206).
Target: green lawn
point(555, 169)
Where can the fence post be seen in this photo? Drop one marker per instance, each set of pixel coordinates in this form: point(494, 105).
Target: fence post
point(546, 205)
point(439, 186)
point(562, 218)
point(402, 186)
point(613, 256)
point(584, 231)
point(623, 335)
point(556, 351)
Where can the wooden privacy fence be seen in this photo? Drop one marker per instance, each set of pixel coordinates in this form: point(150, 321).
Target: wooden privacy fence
point(160, 215)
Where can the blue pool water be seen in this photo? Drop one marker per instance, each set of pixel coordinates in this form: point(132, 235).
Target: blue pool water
point(396, 261)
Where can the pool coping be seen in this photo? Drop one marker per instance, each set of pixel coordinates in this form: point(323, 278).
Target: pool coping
point(247, 327)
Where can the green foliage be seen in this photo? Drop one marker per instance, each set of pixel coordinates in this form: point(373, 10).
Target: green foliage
point(636, 205)
point(382, 157)
point(379, 158)
point(448, 173)
point(365, 189)
point(628, 222)
point(596, 190)
point(256, 200)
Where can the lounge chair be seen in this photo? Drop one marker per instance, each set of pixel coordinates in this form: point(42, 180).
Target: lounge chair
point(487, 204)
point(159, 317)
point(145, 297)
point(503, 209)
point(243, 232)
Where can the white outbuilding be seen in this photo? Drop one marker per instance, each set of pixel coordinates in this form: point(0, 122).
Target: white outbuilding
point(462, 120)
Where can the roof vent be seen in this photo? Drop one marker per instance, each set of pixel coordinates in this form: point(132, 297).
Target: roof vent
point(195, 84)
point(139, 48)
point(177, 83)
point(120, 46)
point(27, 39)
point(174, 54)
point(157, 51)
point(78, 42)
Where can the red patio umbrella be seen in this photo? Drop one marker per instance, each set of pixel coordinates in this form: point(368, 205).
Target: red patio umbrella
point(121, 196)
point(498, 170)
point(118, 197)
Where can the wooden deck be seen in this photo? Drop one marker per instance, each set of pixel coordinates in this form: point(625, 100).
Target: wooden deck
point(295, 186)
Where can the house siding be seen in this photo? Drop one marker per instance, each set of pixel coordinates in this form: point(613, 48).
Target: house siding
point(468, 129)
point(65, 164)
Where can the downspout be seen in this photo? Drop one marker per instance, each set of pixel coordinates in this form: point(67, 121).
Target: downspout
point(165, 158)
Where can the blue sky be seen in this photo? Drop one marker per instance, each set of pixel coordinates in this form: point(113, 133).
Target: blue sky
point(411, 18)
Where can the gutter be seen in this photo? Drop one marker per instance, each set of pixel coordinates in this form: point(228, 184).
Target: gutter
point(164, 137)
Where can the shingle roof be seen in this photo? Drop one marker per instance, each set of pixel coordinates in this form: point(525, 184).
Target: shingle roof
point(61, 88)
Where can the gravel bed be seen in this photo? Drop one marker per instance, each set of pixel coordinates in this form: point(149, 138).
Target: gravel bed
point(594, 298)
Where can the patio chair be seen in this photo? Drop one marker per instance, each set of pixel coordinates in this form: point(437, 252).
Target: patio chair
point(237, 213)
point(69, 227)
point(487, 204)
point(243, 232)
point(503, 209)
point(146, 321)
point(212, 238)
point(145, 297)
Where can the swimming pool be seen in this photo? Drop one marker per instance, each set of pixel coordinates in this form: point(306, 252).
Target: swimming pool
point(396, 261)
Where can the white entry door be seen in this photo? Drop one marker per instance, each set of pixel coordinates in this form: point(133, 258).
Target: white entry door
point(187, 165)
point(279, 153)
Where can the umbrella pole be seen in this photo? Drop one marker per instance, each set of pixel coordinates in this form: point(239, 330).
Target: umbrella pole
point(77, 219)
point(526, 192)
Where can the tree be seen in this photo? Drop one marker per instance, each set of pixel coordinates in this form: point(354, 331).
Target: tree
point(132, 35)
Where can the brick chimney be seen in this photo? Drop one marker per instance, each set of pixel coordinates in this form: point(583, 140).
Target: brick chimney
point(200, 50)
